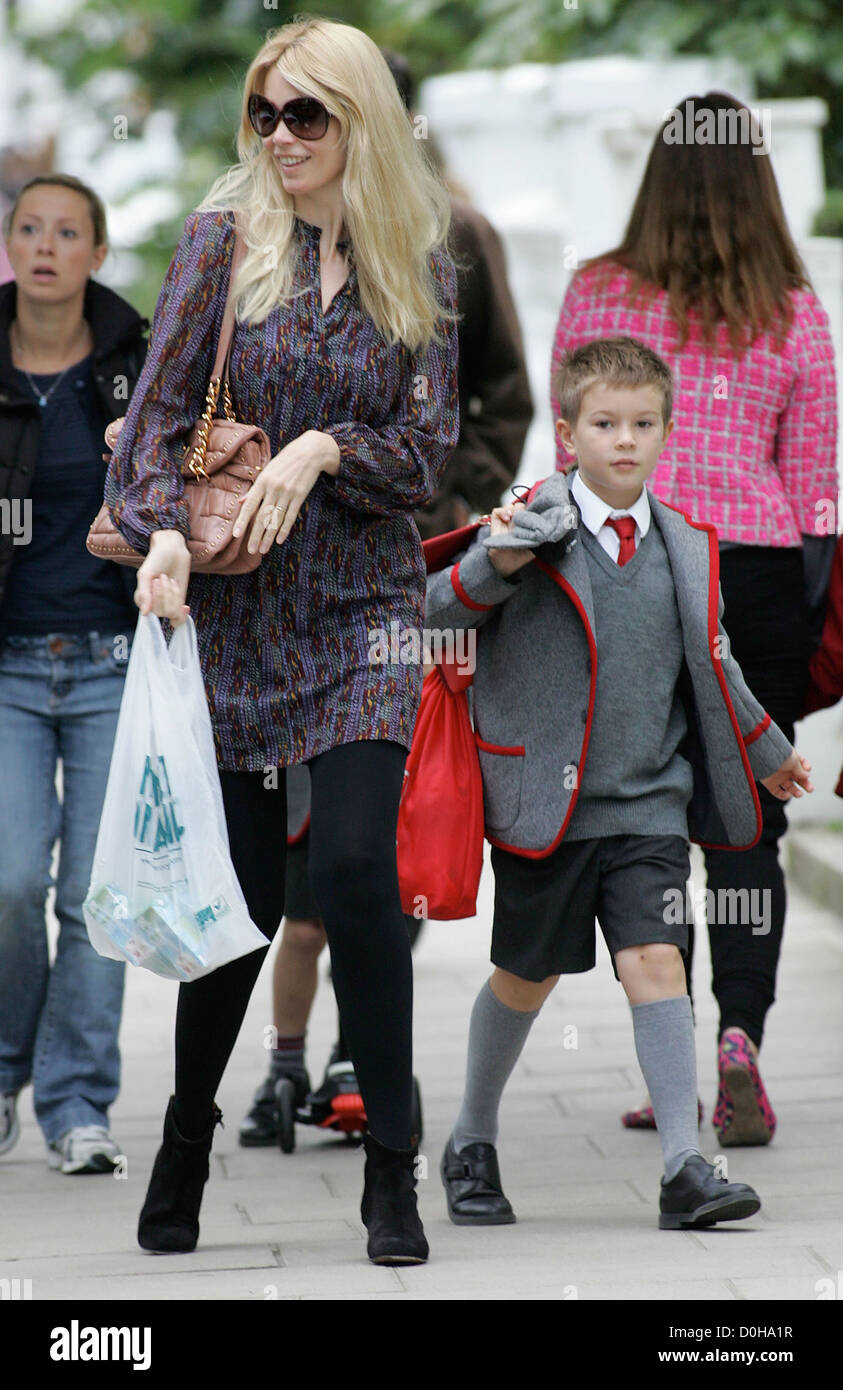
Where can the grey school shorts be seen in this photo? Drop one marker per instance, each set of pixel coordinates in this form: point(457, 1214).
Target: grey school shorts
point(545, 908)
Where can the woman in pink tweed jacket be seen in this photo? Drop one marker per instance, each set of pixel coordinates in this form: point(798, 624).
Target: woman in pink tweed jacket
point(708, 275)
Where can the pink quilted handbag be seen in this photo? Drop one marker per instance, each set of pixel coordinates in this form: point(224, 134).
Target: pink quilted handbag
point(222, 460)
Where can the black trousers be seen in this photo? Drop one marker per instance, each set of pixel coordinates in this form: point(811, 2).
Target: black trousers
point(355, 793)
point(766, 618)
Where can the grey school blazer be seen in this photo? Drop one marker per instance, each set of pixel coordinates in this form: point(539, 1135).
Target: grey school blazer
point(535, 681)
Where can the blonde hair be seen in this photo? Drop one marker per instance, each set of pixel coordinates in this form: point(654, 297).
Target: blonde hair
point(396, 207)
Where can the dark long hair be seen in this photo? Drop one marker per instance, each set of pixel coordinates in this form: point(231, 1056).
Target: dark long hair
point(708, 228)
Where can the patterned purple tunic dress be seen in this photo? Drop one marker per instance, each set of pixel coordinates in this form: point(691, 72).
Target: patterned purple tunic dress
point(285, 650)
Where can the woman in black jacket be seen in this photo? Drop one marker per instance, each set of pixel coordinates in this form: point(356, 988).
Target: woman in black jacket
point(70, 354)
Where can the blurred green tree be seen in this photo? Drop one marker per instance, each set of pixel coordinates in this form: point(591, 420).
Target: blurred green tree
point(190, 56)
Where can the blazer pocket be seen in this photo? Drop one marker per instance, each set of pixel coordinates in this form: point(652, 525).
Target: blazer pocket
point(502, 767)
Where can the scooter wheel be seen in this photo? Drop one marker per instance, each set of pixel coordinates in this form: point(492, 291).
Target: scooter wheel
point(285, 1099)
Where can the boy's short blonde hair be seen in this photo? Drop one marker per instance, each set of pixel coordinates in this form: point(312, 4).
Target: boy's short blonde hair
point(612, 362)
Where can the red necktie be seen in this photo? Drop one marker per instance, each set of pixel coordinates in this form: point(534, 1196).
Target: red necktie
point(625, 527)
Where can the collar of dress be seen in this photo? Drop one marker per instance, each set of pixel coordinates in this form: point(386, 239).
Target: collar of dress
point(312, 233)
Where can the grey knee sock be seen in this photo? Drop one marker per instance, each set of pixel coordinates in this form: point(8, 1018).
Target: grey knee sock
point(495, 1039)
point(664, 1041)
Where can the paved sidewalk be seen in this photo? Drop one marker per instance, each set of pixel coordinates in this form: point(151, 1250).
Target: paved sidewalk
point(585, 1190)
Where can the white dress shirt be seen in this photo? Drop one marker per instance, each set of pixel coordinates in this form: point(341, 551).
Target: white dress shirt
point(595, 513)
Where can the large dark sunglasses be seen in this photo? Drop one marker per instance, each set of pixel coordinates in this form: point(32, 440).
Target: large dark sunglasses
point(304, 117)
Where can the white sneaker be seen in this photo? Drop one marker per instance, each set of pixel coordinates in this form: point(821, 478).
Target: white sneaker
point(9, 1125)
point(85, 1149)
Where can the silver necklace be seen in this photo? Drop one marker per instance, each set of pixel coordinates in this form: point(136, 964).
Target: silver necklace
point(43, 396)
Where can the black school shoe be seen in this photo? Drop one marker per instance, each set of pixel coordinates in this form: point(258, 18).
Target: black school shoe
point(472, 1183)
point(697, 1197)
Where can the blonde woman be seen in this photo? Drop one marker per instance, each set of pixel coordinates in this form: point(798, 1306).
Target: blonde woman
point(345, 351)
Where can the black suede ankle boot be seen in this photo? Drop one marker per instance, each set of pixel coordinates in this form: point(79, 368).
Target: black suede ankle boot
point(169, 1220)
point(388, 1208)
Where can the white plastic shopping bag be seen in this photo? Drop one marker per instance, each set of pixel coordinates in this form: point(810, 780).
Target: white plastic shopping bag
point(163, 892)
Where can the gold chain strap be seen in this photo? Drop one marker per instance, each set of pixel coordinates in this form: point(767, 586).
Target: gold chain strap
point(200, 450)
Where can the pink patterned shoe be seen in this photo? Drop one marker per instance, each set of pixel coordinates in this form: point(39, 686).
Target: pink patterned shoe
point(743, 1114)
point(644, 1118)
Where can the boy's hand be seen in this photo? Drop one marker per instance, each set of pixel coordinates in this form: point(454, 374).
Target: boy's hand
point(506, 562)
point(791, 777)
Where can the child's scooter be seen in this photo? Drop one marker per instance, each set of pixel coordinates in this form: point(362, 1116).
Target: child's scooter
point(337, 1105)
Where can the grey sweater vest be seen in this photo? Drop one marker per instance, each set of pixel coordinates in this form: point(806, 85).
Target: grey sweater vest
point(634, 781)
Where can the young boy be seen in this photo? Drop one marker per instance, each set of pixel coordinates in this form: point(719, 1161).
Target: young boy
point(611, 723)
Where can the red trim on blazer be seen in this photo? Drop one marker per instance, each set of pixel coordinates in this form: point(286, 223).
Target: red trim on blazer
point(300, 834)
point(439, 551)
point(759, 729)
point(592, 648)
point(463, 596)
point(516, 751)
point(713, 585)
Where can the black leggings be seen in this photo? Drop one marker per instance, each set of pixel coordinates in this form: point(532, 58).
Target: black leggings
point(355, 789)
point(767, 622)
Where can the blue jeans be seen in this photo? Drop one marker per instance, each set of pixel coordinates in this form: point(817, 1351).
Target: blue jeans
point(59, 699)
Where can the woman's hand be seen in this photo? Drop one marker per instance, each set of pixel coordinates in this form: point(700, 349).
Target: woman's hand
point(506, 562)
point(163, 577)
point(790, 778)
point(275, 498)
